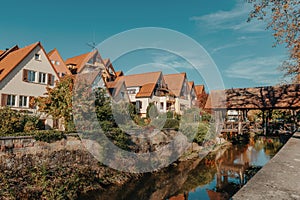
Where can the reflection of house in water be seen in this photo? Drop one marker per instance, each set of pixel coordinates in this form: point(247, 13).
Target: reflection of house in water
point(232, 164)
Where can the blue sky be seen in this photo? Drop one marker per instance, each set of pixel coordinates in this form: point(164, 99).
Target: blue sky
point(242, 51)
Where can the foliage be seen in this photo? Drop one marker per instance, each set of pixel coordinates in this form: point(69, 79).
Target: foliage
point(107, 121)
point(152, 111)
point(12, 121)
point(170, 114)
point(49, 136)
point(283, 18)
point(202, 132)
point(171, 123)
point(58, 102)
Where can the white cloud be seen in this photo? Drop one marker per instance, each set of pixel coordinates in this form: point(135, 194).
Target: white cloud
point(178, 62)
point(261, 70)
point(235, 19)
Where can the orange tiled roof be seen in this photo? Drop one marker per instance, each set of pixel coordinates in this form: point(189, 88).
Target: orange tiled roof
point(139, 80)
point(61, 68)
point(114, 87)
point(175, 82)
point(119, 73)
point(1, 51)
point(80, 60)
point(199, 89)
point(146, 90)
point(191, 85)
point(9, 62)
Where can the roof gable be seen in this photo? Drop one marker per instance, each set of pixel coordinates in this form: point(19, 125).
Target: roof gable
point(175, 82)
point(199, 89)
point(14, 58)
point(61, 67)
point(80, 60)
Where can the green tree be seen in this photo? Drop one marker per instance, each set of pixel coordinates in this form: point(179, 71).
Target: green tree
point(283, 16)
point(58, 102)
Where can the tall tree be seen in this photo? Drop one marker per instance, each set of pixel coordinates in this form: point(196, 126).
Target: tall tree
point(283, 16)
point(58, 102)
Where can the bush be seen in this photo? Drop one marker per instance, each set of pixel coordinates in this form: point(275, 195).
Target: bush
point(12, 121)
point(201, 133)
point(152, 111)
point(49, 136)
point(170, 114)
point(171, 123)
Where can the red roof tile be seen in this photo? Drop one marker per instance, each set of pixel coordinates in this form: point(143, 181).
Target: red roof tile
point(80, 60)
point(146, 90)
point(175, 82)
point(138, 80)
point(9, 62)
point(61, 67)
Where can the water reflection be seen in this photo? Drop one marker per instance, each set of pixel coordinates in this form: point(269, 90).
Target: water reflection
point(217, 176)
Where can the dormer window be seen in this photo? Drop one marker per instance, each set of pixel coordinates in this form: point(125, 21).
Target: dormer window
point(37, 56)
point(57, 63)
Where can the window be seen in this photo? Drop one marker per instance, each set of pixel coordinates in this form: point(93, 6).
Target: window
point(122, 95)
point(53, 62)
point(161, 105)
point(42, 77)
point(37, 56)
point(31, 76)
point(131, 91)
point(11, 100)
point(62, 74)
point(57, 62)
point(23, 101)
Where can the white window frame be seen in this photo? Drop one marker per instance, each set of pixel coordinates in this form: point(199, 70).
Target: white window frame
point(42, 78)
point(31, 74)
point(23, 101)
point(11, 100)
point(37, 56)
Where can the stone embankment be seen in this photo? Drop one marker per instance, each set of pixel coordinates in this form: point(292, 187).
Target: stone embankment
point(279, 178)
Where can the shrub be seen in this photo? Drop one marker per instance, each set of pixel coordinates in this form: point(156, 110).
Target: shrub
point(170, 114)
point(201, 133)
point(49, 136)
point(152, 111)
point(171, 123)
point(12, 121)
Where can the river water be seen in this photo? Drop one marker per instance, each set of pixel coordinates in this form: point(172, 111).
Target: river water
point(217, 176)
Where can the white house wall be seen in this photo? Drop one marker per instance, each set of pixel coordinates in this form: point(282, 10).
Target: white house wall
point(14, 84)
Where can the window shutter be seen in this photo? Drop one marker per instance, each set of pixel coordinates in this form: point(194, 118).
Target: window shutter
point(50, 79)
point(3, 100)
point(25, 75)
point(31, 102)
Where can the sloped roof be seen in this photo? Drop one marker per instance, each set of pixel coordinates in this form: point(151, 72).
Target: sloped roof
point(175, 82)
point(146, 90)
point(284, 97)
point(10, 61)
point(80, 60)
point(114, 87)
point(199, 89)
point(1, 51)
point(191, 85)
point(61, 68)
point(138, 80)
point(119, 73)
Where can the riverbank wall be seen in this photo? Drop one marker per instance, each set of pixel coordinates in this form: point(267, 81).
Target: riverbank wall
point(279, 178)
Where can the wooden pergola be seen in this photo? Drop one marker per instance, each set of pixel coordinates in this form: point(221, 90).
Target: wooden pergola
point(258, 98)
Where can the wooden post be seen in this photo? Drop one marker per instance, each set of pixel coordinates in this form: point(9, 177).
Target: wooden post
point(240, 131)
point(263, 122)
